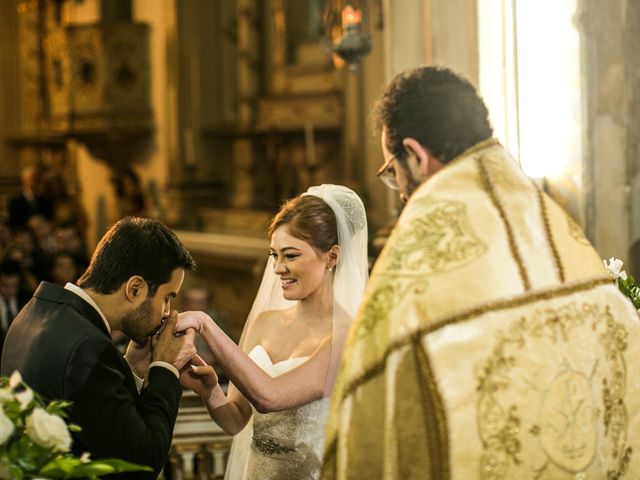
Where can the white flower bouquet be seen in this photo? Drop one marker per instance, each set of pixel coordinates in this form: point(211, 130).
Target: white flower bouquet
point(625, 283)
point(35, 440)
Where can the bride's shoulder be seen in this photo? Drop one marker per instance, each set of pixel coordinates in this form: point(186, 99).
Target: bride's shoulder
point(269, 318)
point(264, 325)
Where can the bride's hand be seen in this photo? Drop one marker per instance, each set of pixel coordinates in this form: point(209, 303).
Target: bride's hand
point(138, 356)
point(199, 377)
point(192, 319)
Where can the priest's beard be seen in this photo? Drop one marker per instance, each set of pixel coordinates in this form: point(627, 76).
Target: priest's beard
point(412, 183)
point(139, 325)
point(412, 186)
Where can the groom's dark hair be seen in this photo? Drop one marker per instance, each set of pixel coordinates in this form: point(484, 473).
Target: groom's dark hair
point(135, 246)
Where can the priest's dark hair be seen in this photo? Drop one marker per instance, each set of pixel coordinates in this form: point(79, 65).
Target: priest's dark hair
point(135, 246)
point(435, 106)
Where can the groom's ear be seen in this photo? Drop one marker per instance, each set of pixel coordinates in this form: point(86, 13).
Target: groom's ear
point(136, 289)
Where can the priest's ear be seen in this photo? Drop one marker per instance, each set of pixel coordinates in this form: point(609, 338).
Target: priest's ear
point(422, 163)
point(136, 289)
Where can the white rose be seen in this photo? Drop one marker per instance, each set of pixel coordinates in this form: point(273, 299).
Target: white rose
point(15, 379)
point(6, 427)
point(48, 430)
point(24, 398)
point(614, 266)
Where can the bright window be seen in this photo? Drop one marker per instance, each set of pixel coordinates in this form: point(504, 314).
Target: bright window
point(530, 78)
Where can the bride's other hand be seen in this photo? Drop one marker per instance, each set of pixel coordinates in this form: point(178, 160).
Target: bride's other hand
point(193, 319)
point(138, 356)
point(199, 377)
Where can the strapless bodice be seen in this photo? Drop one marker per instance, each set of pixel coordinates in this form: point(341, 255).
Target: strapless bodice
point(286, 444)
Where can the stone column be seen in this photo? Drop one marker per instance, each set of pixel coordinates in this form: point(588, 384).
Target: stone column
point(632, 80)
point(606, 172)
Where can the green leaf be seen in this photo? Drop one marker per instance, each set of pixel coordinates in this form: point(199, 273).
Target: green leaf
point(630, 289)
point(73, 468)
point(27, 464)
point(58, 407)
point(122, 465)
point(16, 472)
point(12, 410)
point(59, 467)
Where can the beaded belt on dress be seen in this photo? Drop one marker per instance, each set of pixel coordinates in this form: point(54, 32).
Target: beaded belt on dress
point(269, 446)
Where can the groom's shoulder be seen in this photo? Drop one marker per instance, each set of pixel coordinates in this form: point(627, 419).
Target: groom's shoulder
point(51, 328)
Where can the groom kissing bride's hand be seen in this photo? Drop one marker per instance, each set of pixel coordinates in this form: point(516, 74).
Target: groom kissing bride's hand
point(162, 347)
point(196, 374)
point(171, 349)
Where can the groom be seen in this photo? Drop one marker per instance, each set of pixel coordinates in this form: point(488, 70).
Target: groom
point(60, 342)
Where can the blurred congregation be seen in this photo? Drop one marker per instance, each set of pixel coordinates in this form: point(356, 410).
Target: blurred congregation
point(42, 238)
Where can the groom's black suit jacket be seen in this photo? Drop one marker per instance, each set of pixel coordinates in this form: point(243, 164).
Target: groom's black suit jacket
point(61, 346)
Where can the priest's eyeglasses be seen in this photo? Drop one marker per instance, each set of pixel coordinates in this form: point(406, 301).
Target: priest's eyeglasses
point(387, 174)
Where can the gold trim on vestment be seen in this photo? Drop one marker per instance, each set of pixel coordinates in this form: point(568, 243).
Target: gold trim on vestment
point(434, 415)
point(547, 229)
point(487, 183)
point(489, 142)
point(329, 453)
point(519, 301)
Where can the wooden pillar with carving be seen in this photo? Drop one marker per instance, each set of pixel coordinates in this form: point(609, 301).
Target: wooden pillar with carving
point(248, 36)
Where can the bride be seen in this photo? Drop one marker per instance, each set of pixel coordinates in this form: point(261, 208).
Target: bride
point(284, 368)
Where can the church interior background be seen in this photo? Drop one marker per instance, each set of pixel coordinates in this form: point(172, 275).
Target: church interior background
point(224, 108)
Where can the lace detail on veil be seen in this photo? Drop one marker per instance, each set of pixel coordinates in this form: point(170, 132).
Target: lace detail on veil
point(350, 204)
point(354, 214)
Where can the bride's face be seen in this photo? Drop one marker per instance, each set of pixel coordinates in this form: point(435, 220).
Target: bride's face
point(301, 269)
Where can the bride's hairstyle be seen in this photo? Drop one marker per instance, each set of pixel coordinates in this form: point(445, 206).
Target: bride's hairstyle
point(308, 218)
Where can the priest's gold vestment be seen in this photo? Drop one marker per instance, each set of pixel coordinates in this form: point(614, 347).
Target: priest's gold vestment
point(491, 343)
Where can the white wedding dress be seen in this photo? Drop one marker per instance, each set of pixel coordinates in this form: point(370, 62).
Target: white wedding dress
point(284, 445)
